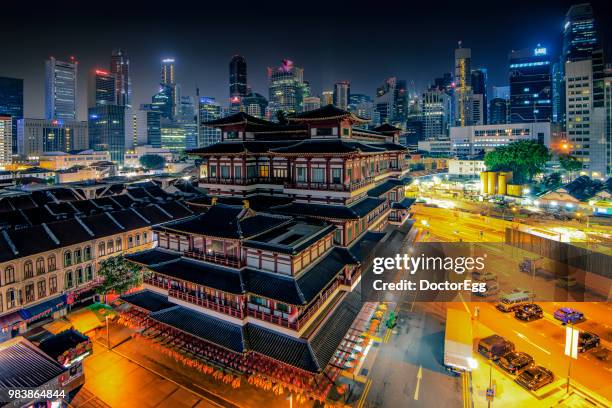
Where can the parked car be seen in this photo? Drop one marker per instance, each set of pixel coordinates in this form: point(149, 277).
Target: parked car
point(491, 288)
point(587, 341)
point(494, 346)
point(534, 378)
point(568, 315)
point(529, 312)
point(515, 361)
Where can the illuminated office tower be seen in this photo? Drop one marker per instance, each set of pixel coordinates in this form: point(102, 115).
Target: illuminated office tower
point(111, 128)
point(435, 111)
point(6, 140)
point(327, 97)
point(342, 92)
point(120, 67)
point(101, 90)
point(237, 80)
point(255, 104)
point(530, 78)
point(11, 104)
point(311, 103)
point(61, 89)
point(463, 86)
point(286, 88)
point(208, 109)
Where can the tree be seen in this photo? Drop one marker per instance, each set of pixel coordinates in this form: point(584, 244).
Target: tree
point(119, 275)
point(280, 116)
point(552, 181)
point(152, 161)
point(524, 159)
point(569, 163)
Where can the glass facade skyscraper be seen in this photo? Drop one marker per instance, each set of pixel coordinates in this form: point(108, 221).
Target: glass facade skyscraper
point(120, 67)
point(237, 78)
point(208, 109)
point(286, 88)
point(61, 89)
point(530, 80)
point(101, 88)
point(11, 104)
point(111, 128)
point(580, 37)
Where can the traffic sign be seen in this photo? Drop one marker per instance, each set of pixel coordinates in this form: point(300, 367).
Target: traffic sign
point(571, 342)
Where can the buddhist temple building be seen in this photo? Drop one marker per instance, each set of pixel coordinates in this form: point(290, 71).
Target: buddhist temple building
point(262, 281)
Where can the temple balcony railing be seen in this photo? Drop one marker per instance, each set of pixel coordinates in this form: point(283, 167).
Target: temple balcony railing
point(206, 303)
point(215, 258)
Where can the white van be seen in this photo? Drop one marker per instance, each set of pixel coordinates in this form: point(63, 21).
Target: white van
point(509, 302)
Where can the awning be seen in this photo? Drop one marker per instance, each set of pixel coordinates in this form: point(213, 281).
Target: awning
point(42, 309)
point(8, 320)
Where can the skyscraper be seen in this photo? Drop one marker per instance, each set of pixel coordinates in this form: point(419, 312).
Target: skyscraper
point(361, 105)
point(327, 97)
point(286, 88)
point(498, 111)
point(208, 109)
point(61, 89)
point(148, 127)
point(237, 79)
point(530, 86)
point(391, 103)
point(11, 104)
point(101, 88)
point(120, 67)
point(580, 37)
point(6, 140)
point(167, 71)
point(463, 85)
point(163, 101)
point(342, 92)
point(111, 128)
point(479, 87)
point(311, 103)
point(435, 111)
point(255, 104)
point(187, 119)
point(586, 122)
point(170, 89)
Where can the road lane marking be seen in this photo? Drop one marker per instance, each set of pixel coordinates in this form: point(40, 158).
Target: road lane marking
point(522, 336)
point(366, 389)
point(418, 384)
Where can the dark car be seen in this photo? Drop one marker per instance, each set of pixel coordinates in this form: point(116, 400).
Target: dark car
point(534, 378)
point(494, 346)
point(529, 312)
point(514, 361)
point(568, 315)
point(587, 341)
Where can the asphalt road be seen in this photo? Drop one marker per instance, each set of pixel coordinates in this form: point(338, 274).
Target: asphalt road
point(414, 349)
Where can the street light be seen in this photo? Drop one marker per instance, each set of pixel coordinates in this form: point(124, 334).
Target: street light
point(107, 333)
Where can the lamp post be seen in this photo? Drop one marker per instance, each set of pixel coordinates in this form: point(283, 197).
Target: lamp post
point(107, 333)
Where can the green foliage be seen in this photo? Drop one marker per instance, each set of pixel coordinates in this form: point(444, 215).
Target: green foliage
point(282, 119)
point(570, 163)
point(119, 275)
point(152, 162)
point(417, 166)
point(524, 159)
point(552, 180)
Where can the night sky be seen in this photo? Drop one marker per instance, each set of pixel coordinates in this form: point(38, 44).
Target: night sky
point(360, 41)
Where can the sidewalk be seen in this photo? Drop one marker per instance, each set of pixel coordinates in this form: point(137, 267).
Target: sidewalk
point(133, 374)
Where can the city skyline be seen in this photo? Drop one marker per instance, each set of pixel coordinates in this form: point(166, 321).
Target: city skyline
point(325, 61)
